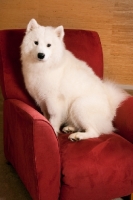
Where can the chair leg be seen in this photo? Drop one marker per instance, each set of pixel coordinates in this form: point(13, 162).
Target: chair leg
point(132, 196)
point(128, 197)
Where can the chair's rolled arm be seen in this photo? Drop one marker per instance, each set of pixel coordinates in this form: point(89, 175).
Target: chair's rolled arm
point(123, 121)
point(32, 148)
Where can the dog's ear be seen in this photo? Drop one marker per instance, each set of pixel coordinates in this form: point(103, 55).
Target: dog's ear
point(32, 25)
point(60, 32)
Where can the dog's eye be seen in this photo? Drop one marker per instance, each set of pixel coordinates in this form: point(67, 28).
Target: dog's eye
point(48, 45)
point(36, 42)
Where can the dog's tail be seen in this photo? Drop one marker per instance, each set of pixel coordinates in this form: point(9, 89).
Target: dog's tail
point(115, 94)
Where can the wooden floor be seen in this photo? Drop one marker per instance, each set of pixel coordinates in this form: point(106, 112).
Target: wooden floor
point(11, 187)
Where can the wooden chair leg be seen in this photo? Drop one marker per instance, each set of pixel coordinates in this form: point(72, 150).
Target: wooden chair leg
point(132, 196)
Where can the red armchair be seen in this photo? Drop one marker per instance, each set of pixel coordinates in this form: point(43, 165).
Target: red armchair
point(54, 168)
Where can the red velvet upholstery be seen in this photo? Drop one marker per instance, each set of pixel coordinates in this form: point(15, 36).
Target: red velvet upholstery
point(54, 168)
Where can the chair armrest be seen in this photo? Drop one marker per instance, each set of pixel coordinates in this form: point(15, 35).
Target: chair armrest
point(31, 146)
point(123, 121)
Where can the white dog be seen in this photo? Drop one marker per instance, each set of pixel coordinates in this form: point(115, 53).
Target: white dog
point(71, 91)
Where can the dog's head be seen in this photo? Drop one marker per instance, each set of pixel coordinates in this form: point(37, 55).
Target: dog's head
point(42, 43)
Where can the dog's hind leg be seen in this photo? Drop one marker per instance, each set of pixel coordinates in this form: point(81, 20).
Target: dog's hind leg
point(90, 116)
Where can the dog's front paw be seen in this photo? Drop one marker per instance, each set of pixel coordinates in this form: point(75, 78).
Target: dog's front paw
point(68, 129)
point(81, 136)
point(76, 136)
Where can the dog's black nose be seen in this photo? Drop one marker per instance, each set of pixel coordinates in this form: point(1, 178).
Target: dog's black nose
point(41, 55)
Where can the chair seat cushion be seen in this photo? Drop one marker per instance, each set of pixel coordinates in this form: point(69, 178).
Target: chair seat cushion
point(96, 169)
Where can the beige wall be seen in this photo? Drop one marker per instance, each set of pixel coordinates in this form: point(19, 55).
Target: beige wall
point(113, 19)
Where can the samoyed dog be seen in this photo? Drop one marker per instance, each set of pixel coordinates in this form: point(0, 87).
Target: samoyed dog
point(67, 86)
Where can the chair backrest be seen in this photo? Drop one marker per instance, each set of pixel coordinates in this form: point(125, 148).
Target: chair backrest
point(84, 45)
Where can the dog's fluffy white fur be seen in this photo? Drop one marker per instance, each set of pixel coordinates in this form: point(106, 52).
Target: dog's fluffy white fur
point(69, 88)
